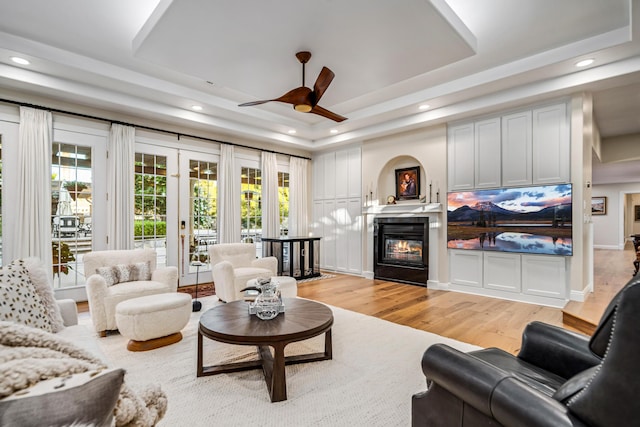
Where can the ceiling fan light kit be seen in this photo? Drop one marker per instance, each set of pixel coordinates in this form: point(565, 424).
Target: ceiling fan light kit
point(303, 98)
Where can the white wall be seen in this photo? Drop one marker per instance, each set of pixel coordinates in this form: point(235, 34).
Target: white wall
point(609, 230)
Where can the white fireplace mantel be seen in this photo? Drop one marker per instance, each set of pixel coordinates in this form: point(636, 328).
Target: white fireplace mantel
point(403, 208)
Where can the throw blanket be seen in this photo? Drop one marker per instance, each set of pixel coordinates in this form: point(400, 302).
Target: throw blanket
point(29, 355)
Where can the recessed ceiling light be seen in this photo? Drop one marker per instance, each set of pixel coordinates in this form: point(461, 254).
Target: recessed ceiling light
point(291, 131)
point(20, 61)
point(196, 107)
point(424, 107)
point(334, 131)
point(584, 62)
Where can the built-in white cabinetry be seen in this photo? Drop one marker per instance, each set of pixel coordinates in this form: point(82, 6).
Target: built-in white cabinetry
point(337, 209)
point(501, 271)
point(539, 279)
point(551, 145)
point(460, 153)
point(544, 276)
point(466, 268)
point(516, 149)
point(486, 144)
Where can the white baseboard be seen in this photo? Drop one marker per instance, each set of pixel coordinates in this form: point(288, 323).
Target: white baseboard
point(581, 296)
point(611, 247)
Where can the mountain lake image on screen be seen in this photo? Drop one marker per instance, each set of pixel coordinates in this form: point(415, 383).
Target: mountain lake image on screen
point(533, 220)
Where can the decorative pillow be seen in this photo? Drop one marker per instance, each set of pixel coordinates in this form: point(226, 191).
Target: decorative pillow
point(40, 278)
point(19, 301)
point(86, 398)
point(125, 273)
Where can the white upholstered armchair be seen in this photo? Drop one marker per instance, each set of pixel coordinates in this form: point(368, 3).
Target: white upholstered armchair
point(116, 283)
point(233, 264)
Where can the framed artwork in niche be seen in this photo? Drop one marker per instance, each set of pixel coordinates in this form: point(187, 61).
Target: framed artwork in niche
point(598, 206)
point(408, 183)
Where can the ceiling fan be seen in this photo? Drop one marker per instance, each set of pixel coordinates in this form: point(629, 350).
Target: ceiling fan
point(303, 98)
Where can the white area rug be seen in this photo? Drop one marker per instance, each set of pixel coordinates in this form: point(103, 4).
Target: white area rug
point(374, 372)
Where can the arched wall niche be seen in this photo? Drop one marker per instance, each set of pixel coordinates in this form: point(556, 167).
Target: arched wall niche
point(386, 183)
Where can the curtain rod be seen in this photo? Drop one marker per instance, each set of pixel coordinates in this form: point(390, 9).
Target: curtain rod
point(118, 122)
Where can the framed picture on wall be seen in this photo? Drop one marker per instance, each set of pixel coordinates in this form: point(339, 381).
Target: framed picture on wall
point(636, 213)
point(408, 183)
point(599, 206)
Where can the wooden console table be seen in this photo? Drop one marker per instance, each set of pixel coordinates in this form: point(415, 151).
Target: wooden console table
point(298, 257)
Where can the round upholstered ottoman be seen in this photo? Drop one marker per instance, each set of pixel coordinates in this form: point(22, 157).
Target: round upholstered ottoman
point(288, 287)
point(153, 321)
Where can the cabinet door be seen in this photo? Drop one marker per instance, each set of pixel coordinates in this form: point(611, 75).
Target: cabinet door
point(318, 177)
point(517, 149)
point(544, 276)
point(316, 228)
point(328, 247)
point(342, 174)
point(354, 236)
point(461, 157)
point(502, 271)
point(329, 178)
point(551, 145)
point(465, 267)
point(354, 165)
point(341, 215)
point(488, 161)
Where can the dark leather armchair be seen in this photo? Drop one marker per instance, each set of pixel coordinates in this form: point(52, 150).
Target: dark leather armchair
point(559, 378)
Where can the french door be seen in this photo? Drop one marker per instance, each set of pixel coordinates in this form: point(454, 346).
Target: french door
point(198, 214)
point(176, 207)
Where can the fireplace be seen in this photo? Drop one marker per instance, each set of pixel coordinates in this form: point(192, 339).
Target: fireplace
point(401, 249)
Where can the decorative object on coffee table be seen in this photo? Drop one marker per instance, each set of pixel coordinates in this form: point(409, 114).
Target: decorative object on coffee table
point(196, 305)
point(268, 303)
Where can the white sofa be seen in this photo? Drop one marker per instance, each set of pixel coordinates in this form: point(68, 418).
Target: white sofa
point(234, 264)
point(103, 299)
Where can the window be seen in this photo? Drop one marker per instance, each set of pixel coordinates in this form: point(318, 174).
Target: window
point(251, 208)
point(150, 196)
point(71, 212)
point(203, 206)
point(283, 202)
point(1, 201)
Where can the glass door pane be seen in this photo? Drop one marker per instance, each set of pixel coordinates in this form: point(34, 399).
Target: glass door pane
point(71, 211)
point(150, 197)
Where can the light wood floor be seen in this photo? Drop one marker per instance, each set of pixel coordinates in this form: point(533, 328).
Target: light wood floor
point(487, 322)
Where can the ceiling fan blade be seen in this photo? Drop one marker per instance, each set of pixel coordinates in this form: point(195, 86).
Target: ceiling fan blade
point(249, 104)
point(299, 95)
point(326, 113)
point(296, 96)
point(322, 83)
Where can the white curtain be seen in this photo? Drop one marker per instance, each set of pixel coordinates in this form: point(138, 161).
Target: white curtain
point(33, 211)
point(228, 197)
point(120, 184)
point(298, 202)
point(270, 205)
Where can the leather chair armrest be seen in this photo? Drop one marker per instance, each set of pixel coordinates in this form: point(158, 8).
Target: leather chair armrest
point(68, 311)
point(463, 375)
point(562, 352)
point(269, 262)
point(515, 404)
point(167, 275)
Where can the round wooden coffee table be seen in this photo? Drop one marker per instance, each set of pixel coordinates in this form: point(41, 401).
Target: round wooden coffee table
point(231, 323)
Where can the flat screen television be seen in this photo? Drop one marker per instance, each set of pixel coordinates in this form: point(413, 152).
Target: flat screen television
point(533, 220)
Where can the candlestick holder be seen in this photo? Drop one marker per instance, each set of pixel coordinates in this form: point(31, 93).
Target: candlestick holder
point(430, 193)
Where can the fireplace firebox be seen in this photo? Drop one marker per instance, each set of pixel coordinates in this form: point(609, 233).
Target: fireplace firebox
point(401, 249)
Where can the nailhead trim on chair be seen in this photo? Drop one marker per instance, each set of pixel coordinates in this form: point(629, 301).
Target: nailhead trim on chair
point(604, 360)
